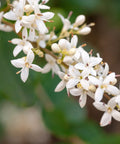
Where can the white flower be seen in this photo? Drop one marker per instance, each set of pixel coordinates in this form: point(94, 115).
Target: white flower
point(24, 45)
point(77, 78)
point(33, 3)
point(88, 63)
point(40, 18)
point(83, 95)
point(104, 85)
point(109, 110)
point(51, 65)
point(67, 49)
point(26, 63)
point(16, 14)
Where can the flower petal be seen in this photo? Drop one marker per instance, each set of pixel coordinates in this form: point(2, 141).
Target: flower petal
point(41, 27)
point(16, 41)
point(109, 78)
point(76, 91)
point(47, 15)
point(35, 67)
point(72, 82)
point(74, 72)
point(116, 115)
point(30, 57)
point(60, 86)
point(99, 94)
point(82, 100)
point(17, 50)
point(80, 66)
point(55, 69)
point(106, 70)
point(94, 80)
point(44, 7)
point(112, 102)
point(106, 119)
point(85, 84)
point(19, 63)
point(113, 90)
point(10, 15)
point(24, 74)
point(95, 61)
point(49, 58)
point(18, 26)
point(100, 106)
point(46, 68)
point(85, 57)
point(61, 74)
point(74, 41)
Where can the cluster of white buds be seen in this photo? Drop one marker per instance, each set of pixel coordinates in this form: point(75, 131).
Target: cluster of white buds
point(81, 73)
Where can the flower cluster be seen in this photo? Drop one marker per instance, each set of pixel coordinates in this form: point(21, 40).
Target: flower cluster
point(81, 73)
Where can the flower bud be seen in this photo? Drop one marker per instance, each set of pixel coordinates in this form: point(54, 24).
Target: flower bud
point(64, 44)
point(92, 88)
point(28, 8)
point(67, 60)
point(79, 20)
point(84, 31)
point(55, 48)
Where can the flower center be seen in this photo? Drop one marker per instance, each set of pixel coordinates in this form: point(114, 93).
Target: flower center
point(109, 110)
point(27, 64)
point(79, 86)
point(103, 86)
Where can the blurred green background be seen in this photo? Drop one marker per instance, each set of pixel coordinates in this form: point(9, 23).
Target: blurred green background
point(65, 121)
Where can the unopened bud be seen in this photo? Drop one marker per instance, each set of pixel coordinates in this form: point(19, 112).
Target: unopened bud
point(67, 60)
point(28, 8)
point(55, 48)
point(79, 20)
point(92, 88)
point(84, 31)
point(64, 44)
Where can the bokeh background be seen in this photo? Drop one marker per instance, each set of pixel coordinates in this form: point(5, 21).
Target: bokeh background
point(32, 113)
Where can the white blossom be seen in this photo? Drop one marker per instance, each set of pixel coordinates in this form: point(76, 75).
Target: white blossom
point(24, 45)
point(16, 14)
point(104, 85)
point(88, 63)
point(26, 63)
point(77, 78)
point(109, 111)
point(51, 65)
